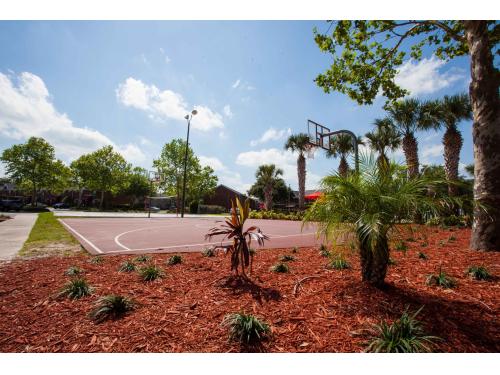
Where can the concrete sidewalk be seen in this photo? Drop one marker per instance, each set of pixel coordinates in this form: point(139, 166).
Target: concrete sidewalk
point(14, 232)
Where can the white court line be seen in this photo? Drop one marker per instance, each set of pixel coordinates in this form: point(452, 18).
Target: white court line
point(79, 235)
point(204, 243)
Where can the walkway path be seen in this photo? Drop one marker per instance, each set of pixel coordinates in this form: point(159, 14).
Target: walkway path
point(14, 232)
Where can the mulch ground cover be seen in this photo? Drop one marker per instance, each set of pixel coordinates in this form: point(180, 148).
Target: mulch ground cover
point(183, 311)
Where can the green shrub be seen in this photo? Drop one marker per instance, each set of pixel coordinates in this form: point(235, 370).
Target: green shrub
point(405, 335)
point(280, 268)
point(96, 260)
point(424, 244)
point(127, 266)
point(421, 255)
point(111, 306)
point(73, 271)
point(479, 273)
point(451, 220)
point(323, 251)
point(295, 250)
point(401, 246)
point(338, 263)
point(208, 252)
point(142, 258)
point(151, 273)
point(174, 259)
point(252, 252)
point(452, 238)
point(247, 329)
point(287, 258)
point(434, 221)
point(76, 288)
point(442, 280)
point(392, 262)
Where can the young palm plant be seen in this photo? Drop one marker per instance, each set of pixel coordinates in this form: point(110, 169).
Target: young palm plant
point(383, 139)
point(299, 143)
point(111, 306)
point(341, 147)
point(234, 229)
point(247, 329)
point(370, 204)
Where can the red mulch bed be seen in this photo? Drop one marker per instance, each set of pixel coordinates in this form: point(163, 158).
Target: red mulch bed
point(183, 311)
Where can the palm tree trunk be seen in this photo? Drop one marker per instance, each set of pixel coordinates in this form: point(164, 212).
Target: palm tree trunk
point(374, 262)
point(343, 166)
point(485, 102)
point(301, 174)
point(452, 141)
point(101, 204)
point(410, 149)
point(268, 198)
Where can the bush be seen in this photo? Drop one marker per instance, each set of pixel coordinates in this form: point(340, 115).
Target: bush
point(76, 288)
point(208, 252)
point(280, 268)
point(287, 258)
point(338, 263)
point(405, 335)
point(174, 259)
point(271, 215)
point(211, 209)
point(193, 207)
point(142, 258)
point(151, 273)
point(401, 246)
point(96, 260)
point(323, 251)
point(127, 266)
point(433, 221)
point(442, 280)
point(73, 271)
point(247, 329)
point(479, 273)
point(421, 255)
point(111, 306)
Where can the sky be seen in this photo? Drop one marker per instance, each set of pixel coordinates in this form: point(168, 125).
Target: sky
point(85, 84)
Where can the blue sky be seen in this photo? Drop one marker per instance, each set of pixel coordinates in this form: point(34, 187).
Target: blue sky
point(82, 85)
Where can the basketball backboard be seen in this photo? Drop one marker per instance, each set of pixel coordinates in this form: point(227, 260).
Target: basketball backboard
point(318, 135)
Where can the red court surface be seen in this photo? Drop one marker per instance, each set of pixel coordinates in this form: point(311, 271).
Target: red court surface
point(169, 235)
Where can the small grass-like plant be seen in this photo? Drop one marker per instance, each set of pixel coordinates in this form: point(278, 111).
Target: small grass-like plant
point(208, 252)
point(422, 255)
point(452, 238)
point(247, 329)
point(252, 252)
point(295, 250)
point(441, 243)
point(75, 289)
point(405, 335)
point(96, 260)
point(479, 273)
point(127, 266)
point(174, 259)
point(73, 271)
point(392, 262)
point(142, 258)
point(442, 280)
point(401, 246)
point(280, 268)
point(111, 307)
point(424, 244)
point(151, 273)
point(323, 251)
point(338, 263)
point(287, 258)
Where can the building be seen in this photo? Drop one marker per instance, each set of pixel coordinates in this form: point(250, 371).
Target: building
point(223, 195)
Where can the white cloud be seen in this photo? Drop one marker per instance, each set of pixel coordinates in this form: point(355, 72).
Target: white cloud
point(213, 162)
point(432, 153)
point(167, 59)
point(425, 77)
point(26, 110)
point(165, 104)
point(226, 177)
point(271, 134)
point(236, 84)
point(242, 85)
point(285, 160)
point(144, 141)
point(227, 111)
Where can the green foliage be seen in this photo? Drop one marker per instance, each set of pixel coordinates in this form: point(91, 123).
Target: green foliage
point(174, 259)
point(392, 262)
point(424, 244)
point(96, 260)
point(338, 263)
point(208, 252)
point(405, 335)
point(295, 250)
point(127, 266)
point(280, 268)
point(247, 329)
point(151, 273)
point(73, 271)
point(383, 138)
point(273, 215)
point(452, 238)
point(269, 186)
point(479, 273)
point(323, 251)
point(33, 166)
point(111, 307)
point(142, 258)
point(442, 280)
point(138, 184)
point(433, 221)
point(422, 255)
point(287, 258)
point(401, 246)
point(252, 252)
point(76, 288)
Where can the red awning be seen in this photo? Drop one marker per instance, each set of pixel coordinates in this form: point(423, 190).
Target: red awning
point(313, 196)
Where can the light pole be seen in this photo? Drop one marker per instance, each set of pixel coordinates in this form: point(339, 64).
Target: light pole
point(188, 118)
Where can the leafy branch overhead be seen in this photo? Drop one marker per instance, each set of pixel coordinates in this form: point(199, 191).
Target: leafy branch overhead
point(367, 54)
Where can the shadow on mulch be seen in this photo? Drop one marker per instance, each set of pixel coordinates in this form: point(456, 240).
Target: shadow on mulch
point(240, 285)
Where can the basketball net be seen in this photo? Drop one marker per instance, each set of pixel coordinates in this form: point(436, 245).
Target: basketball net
point(310, 150)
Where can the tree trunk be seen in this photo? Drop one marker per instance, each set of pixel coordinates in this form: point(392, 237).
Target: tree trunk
point(485, 102)
point(268, 198)
point(452, 141)
point(301, 174)
point(410, 149)
point(343, 166)
point(80, 194)
point(374, 262)
point(101, 203)
point(33, 197)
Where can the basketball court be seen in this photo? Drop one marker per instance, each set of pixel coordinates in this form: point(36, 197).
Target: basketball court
point(101, 236)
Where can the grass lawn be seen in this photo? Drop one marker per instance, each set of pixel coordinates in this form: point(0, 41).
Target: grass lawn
point(48, 237)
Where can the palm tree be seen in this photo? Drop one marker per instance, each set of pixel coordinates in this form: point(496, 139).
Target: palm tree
point(299, 143)
point(450, 111)
point(342, 146)
point(369, 204)
point(409, 116)
point(267, 175)
point(383, 139)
